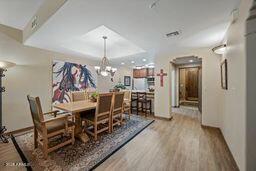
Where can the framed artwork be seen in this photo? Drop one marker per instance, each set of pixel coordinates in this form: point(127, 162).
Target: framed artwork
point(224, 74)
point(67, 76)
point(127, 81)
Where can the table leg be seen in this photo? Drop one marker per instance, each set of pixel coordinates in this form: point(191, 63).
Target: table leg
point(78, 129)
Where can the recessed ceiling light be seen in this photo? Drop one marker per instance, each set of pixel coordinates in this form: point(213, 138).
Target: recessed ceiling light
point(122, 63)
point(138, 67)
point(191, 60)
point(151, 66)
point(132, 62)
point(144, 60)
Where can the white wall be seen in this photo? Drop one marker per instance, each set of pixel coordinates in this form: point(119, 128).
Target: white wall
point(233, 115)
point(210, 86)
point(162, 103)
point(107, 84)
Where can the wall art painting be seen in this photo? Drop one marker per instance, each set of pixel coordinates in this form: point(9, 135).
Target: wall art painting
point(68, 77)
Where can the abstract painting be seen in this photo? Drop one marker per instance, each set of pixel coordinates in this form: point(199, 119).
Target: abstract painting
point(68, 77)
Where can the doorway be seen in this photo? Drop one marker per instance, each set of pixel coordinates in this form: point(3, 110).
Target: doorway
point(188, 86)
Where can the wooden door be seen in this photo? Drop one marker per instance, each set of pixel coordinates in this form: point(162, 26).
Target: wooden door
point(192, 84)
point(200, 89)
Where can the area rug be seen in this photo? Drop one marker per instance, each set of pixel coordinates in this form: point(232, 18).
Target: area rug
point(80, 156)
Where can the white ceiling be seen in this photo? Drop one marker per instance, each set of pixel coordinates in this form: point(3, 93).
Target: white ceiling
point(17, 13)
point(92, 44)
point(202, 23)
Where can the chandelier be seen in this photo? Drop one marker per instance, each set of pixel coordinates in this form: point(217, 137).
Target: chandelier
point(105, 69)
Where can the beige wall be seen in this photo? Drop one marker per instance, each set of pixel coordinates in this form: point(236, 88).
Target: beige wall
point(250, 90)
point(33, 76)
point(119, 77)
point(233, 115)
point(210, 86)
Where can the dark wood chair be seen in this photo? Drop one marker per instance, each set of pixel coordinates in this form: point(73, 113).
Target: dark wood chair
point(101, 120)
point(118, 109)
point(134, 102)
point(44, 129)
point(144, 103)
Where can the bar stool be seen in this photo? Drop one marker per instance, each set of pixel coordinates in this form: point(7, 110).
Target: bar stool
point(134, 102)
point(144, 103)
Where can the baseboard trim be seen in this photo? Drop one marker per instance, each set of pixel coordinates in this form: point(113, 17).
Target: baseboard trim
point(163, 118)
point(19, 131)
point(228, 148)
point(206, 126)
point(225, 142)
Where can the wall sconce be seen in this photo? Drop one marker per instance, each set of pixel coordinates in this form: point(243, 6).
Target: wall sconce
point(220, 49)
point(3, 68)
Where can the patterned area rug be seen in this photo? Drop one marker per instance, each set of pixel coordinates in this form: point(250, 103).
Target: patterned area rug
point(81, 156)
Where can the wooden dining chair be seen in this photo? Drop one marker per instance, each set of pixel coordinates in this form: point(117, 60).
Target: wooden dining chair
point(44, 129)
point(78, 96)
point(118, 109)
point(101, 120)
point(127, 102)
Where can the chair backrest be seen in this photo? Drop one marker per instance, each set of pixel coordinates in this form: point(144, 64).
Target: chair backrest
point(134, 96)
point(104, 106)
point(127, 95)
point(36, 111)
point(142, 95)
point(78, 96)
point(118, 103)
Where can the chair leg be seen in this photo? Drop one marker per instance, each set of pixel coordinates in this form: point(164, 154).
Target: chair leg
point(35, 138)
point(95, 132)
point(137, 107)
point(45, 148)
point(129, 112)
point(112, 124)
point(73, 135)
point(121, 119)
point(109, 127)
point(150, 107)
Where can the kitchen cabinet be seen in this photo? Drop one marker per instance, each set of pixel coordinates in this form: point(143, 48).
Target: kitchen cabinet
point(140, 73)
point(143, 73)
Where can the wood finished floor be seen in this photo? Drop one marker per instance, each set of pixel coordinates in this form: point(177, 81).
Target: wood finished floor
point(179, 144)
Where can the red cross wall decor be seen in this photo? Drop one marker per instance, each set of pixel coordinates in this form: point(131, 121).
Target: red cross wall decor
point(161, 75)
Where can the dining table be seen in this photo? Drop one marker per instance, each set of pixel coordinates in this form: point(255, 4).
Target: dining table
point(75, 108)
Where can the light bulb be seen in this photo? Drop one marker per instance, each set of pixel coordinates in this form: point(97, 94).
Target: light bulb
point(97, 67)
point(108, 68)
point(104, 73)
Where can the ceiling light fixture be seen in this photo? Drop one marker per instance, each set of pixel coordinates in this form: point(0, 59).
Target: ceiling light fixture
point(144, 60)
point(104, 69)
point(132, 62)
point(220, 49)
point(122, 63)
